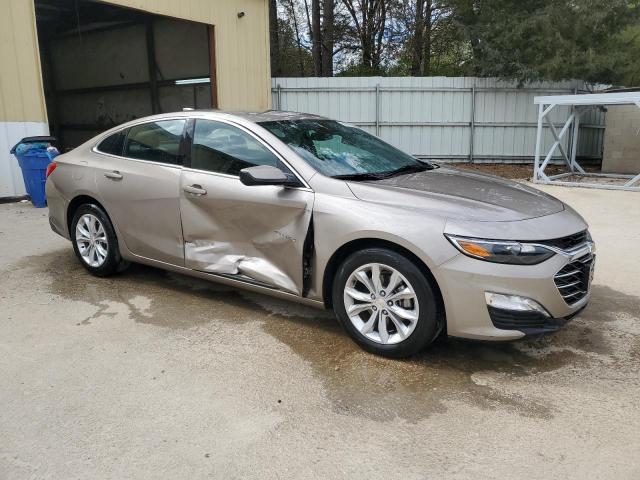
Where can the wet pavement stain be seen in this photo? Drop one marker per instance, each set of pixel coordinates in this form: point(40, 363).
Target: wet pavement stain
point(102, 312)
point(589, 334)
point(173, 301)
point(356, 383)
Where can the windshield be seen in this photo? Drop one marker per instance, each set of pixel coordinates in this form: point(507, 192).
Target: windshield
point(343, 151)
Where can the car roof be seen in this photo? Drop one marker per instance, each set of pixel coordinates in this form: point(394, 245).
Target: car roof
point(251, 117)
point(274, 116)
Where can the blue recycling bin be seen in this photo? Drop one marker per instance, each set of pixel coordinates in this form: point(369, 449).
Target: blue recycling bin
point(34, 154)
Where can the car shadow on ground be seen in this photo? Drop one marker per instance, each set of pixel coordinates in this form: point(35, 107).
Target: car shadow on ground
point(357, 383)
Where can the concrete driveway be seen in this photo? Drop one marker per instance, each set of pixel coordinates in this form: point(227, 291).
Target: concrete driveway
point(155, 375)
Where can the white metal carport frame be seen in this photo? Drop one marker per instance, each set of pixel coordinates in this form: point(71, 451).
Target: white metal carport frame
point(579, 105)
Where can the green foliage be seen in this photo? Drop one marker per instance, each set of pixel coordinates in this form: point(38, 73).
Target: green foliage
point(357, 69)
point(547, 39)
point(449, 52)
point(593, 40)
point(294, 61)
point(629, 71)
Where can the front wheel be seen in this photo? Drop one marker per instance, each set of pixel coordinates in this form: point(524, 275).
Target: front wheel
point(385, 303)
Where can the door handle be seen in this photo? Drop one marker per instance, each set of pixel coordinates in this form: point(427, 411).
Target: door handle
point(115, 175)
point(195, 190)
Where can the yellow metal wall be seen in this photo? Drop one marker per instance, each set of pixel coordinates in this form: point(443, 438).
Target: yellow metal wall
point(21, 94)
point(242, 53)
point(242, 45)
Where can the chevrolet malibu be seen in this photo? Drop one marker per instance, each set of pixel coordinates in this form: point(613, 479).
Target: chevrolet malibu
point(321, 212)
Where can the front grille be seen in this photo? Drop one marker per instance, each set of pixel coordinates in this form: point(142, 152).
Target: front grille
point(573, 280)
point(564, 243)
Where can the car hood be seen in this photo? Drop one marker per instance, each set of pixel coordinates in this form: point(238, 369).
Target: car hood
point(460, 194)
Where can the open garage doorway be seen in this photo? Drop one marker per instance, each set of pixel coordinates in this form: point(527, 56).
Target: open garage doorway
point(103, 65)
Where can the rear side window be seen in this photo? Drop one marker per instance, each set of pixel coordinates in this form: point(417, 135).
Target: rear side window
point(113, 144)
point(222, 148)
point(156, 141)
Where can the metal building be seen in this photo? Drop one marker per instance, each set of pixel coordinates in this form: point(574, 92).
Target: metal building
point(74, 68)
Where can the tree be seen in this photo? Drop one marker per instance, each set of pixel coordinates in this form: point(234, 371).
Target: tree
point(322, 30)
point(293, 58)
point(274, 42)
point(291, 11)
point(424, 29)
point(629, 43)
point(328, 31)
point(316, 38)
point(369, 19)
point(546, 39)
point(422, 23)
point(421, 38)
point(593, 40)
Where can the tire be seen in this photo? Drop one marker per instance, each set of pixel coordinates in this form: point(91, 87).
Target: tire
point(95, 242)
point(412, 320)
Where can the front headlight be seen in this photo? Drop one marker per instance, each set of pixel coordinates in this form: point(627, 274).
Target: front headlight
point(500, 251)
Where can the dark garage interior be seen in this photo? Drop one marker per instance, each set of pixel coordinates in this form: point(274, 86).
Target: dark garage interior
point(103, 65)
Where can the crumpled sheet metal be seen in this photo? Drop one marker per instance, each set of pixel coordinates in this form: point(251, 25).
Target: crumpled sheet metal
point(215, 257)
point(256, 232)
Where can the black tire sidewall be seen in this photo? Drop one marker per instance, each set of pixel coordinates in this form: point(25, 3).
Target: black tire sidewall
point(114, 260)
point(427, 328)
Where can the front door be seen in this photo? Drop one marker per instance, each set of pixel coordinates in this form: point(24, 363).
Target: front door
point(254, 233)
point(140, 188)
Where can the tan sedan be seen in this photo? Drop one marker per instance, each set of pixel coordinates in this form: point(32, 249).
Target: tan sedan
point(318, 211)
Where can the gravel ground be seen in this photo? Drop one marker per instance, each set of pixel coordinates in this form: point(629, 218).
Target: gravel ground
point(155, 375)
point(518, 171)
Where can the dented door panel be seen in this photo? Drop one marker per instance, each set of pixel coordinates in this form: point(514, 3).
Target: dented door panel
point(256, 232)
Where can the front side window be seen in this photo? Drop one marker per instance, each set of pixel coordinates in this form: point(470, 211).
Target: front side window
point(114, 143)
point(339, 150)
point(156, 141)
point(222, 148)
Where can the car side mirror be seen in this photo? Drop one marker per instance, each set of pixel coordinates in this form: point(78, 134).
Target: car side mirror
point(266, 175)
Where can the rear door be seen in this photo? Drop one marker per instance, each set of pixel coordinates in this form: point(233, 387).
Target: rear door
point(254, 233)
point(140, 187)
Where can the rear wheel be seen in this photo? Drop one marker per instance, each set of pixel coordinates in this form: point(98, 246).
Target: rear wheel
point(95, 242)
point(385, 303)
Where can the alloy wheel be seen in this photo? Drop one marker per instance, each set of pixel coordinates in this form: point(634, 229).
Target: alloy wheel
point(91, 239)
point(381, 303)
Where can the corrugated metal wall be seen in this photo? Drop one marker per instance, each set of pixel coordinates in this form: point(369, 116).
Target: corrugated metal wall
point(21, 96)
point(22, 109)
point(436, 117)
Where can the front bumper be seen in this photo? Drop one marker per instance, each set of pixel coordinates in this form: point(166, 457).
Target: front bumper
point(529, 323)
point(463, 282)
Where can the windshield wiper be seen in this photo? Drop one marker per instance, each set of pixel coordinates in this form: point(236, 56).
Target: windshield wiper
point(406, 169)
point(418, 167)
point(359, 176)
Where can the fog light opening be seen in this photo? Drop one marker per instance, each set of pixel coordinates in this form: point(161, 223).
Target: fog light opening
point(514, 303)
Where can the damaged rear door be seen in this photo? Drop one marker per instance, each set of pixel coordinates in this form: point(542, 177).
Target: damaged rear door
point(253, 233)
